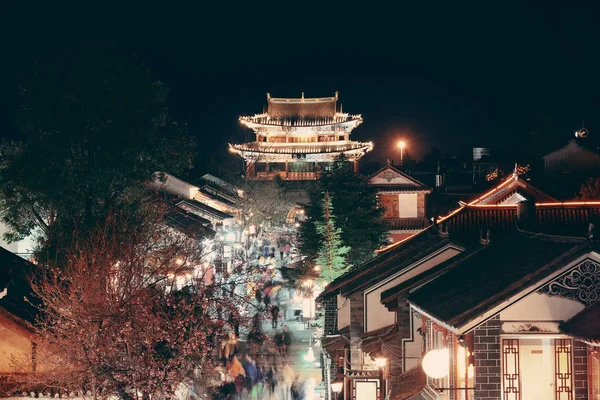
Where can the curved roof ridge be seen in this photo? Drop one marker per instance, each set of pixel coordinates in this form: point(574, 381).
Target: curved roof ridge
point(302, 99)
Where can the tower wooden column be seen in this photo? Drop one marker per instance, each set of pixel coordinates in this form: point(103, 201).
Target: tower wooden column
point(356, 166)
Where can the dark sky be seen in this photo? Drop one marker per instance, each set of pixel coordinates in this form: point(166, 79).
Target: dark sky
point(445, 77)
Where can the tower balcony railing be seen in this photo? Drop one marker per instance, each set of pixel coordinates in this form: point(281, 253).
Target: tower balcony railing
point(407, 224)
point(289, 176)
point(303, 148)
point(264, 119)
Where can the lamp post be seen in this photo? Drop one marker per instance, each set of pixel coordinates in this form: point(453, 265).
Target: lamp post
point(401, 146)
point(381, 362)
point(310, 356)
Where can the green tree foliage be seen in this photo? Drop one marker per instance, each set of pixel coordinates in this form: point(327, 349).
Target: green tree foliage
point(95, 128)
point(332, 253)
point(355, 208)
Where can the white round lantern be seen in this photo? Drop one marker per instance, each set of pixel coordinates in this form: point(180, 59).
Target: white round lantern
point(436, 363)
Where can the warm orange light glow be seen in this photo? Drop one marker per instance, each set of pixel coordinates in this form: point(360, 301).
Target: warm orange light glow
point(451, 214)
point(401, 144)
point(398, 243)
point(493, 205)
point(570, 203)
point(380, 362)
point(436, 363)
point(507, 181)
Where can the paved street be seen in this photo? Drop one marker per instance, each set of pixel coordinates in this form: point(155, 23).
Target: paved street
point(296, 353)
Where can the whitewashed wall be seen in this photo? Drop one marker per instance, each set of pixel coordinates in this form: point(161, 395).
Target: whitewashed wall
point(376, 314)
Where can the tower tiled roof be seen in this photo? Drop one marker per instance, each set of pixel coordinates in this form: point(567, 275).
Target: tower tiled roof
point(320, 107)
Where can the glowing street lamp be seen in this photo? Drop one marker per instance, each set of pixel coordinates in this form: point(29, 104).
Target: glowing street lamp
point(310, 356)
point(337, 386)
point(381, 362)
point(401, 146)
point(436, 363)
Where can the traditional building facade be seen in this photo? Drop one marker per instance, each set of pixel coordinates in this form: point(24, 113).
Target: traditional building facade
point(495, 265)
point(297, 138)
point(404, 200)
point(567, 167)
point(18, 342)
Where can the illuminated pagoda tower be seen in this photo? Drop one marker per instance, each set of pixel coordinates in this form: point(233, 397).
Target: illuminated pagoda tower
point(298, 138)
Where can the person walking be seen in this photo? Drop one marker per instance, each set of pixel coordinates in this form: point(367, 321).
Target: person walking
point(286, 378)
point(274, 316)
point(251, 373)
point(281, 250)
point(236, 370)
point(287, 249)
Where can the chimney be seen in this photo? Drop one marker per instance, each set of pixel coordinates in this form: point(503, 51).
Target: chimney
point(389, 162)
point(526, 215)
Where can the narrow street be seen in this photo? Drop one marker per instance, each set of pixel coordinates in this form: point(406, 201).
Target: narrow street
point(296, 357)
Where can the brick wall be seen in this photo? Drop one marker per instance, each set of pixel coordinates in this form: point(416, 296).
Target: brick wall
point(403, 316)
point(331, 314)
point(487, 360)
point(357, 314)
point(580, 368)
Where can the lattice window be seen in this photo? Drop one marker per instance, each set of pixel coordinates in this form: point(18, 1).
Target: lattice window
point(511, 386)
point(563, 376)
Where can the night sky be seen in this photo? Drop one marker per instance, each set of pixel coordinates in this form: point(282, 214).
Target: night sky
point(444, 77)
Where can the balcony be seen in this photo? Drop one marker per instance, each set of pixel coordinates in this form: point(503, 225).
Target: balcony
point(290, 176)
point(407, 224)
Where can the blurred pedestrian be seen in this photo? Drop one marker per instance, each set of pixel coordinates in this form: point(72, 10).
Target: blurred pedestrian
point(251, 373)
point(281, 250)
point(287, 249)
point(274, 316)
point(285, 378)
point(259, 296)
point(287, 338)
point(236, 370)
point(297, 389)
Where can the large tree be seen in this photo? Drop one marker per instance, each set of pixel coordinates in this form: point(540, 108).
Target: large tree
point(356, 210)
point(95, 129)
point(264, 203)
point(590, 189)
point(332, 253)
point(130, 311)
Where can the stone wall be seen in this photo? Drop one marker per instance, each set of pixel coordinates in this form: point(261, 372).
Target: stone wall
point(487, 360)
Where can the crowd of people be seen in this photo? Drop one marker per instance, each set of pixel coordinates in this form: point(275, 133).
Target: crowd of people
point(243, 379)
